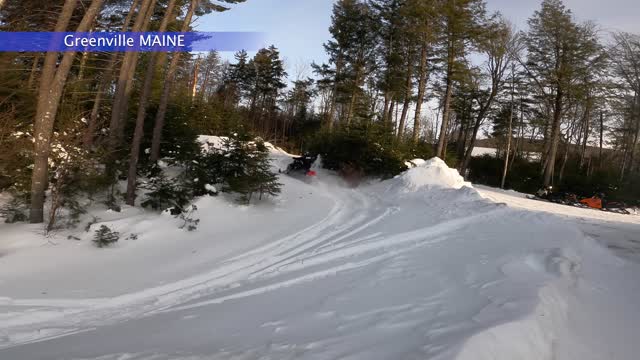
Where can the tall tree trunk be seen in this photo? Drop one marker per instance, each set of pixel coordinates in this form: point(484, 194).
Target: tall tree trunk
point(520, 139)
point(389, 117)
point(564, 162)
point(408, 89)
point(587, 130)
point(385, 107)
point(142, 112)
point(601, 138)
point(508, 150)
point(636, 136)
point(352, 102)
point(194, 79)
point(444, 126)
point(166, 90)
point(34, 70)
point(125, 81)
point(446, 111)
point(81, 68)
point(422, 86)
point(459, 140)
point(476, 128)
point(334, 93)
point(555, 138)
point(104, 84)
point(51, 87)
point(546, 147)
point(44, 121)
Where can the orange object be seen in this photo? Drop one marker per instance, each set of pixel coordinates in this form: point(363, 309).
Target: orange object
point(592, 202)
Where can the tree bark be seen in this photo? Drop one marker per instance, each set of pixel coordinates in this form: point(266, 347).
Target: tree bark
point(587, 130)
point(508, 150)
point(194, 83)
point(446, 111)
point(352, 102)
point(142, 113)
point(601, 138)
point(34, 70)
point(422, 86)
point(104, 84)
point(334, 94)
point(125, 81)
point(555, 138)
point(389, 121)
point(407, 100)
point(164, 98)
point(476, 128)
point(51, 87)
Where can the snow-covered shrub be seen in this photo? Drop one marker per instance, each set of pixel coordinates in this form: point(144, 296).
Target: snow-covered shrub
point(14, 210)
point(203, 171)
point(246, 169)
point(104, 236)
point(187, 216)
point(164, 193)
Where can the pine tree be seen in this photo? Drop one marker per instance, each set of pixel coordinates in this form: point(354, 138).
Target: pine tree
point(422, 19)
point(351, 52)
point(554, 60)
point(104, 236)
point(461, 25)
point(264, 180)
point(199, 8)
point(247, 169)
point(499, 44)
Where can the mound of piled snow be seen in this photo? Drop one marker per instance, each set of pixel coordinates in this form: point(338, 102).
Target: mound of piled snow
point(432, 173)
point(415, 162)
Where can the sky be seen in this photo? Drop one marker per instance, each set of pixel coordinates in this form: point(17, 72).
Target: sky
point(299, 27)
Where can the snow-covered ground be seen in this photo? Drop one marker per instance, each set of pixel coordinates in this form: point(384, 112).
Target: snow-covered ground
point(422, 266)
point(620, 233)
point(480, 151)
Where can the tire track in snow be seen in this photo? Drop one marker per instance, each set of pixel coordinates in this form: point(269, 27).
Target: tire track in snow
point(331, 239)
point(71, 313)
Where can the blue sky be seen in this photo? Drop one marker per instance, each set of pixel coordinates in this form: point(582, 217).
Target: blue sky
point(297, 27)
point(300, 27)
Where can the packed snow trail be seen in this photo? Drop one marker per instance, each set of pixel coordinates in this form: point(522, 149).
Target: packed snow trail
point(618, 232)
point(417, 267)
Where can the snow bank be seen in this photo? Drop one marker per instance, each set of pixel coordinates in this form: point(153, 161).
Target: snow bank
point(530, 338)
point(415, 162)
point(431, 173)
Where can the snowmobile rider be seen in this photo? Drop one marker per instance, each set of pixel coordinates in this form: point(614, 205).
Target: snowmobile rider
point(302, 164)
point(545, 192)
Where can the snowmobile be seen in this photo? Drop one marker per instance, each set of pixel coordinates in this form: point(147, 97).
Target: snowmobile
point(600, 202)
point(597, 201)
point(301, 166)
point(547, 194)
point(616, 207)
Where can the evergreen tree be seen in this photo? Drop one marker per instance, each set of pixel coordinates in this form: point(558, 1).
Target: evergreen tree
point(247, 169)
point(461, 22)
point(104, 236)
point(554, 60)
